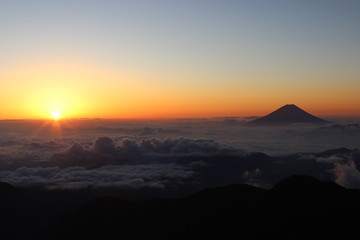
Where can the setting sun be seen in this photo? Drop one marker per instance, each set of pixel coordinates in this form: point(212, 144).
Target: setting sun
point(55, 114)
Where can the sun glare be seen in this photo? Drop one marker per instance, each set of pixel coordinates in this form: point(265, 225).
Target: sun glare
point(55, 114)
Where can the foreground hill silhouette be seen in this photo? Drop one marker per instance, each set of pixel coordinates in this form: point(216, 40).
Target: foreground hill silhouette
point(288, 114)
point(299, 207)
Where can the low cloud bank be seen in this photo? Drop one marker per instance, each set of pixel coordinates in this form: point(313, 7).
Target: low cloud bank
point(158, 176)
point(148, 150)
point(169, 163)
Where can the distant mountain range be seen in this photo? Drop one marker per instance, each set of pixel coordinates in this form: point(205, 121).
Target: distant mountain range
point(288, 114)
point(299, 207)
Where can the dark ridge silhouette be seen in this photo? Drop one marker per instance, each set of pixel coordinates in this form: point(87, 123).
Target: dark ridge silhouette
point(299, 207)
point(299, 184)
point(6, 187)
point(288, 114)
point(330, 152)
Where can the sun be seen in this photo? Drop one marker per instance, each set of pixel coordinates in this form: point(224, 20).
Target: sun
point(55, 115)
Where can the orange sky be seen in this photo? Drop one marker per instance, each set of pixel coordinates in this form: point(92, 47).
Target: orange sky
point(92, 90)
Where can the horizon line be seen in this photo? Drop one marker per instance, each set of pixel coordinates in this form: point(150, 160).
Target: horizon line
point(156, 118)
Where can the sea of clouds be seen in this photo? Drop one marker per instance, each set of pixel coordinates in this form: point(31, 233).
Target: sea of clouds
point(172, 155)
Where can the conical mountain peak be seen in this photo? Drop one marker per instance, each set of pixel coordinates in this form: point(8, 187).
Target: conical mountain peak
point(288, 114)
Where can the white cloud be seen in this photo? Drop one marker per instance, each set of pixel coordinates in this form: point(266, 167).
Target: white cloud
point(125, 176)
point(347, 175)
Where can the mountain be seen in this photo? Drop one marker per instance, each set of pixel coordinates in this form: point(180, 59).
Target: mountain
point(299, 206)
point(288, 114)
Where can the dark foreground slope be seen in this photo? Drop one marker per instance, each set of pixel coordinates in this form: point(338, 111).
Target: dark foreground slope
point(288, 114)
point(296, 208)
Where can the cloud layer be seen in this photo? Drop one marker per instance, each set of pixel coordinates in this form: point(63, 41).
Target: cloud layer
point(155, 163)
point(158, 157)
point(160, 176)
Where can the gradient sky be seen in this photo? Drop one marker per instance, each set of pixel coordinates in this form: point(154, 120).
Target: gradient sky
point(196, 58)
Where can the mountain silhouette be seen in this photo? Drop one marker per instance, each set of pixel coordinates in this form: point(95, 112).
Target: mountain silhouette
point(288, 114)
point(298, 206)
